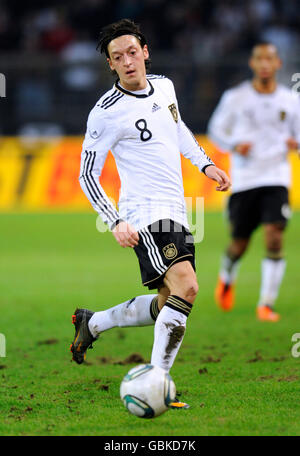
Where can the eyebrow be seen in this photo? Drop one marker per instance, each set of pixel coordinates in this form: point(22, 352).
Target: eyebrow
point(128, 49)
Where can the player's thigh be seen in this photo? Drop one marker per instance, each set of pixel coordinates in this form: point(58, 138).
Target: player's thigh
point(161, 245)
point(238, 246)
point(275, 206)
point(181, 279)
point(243, 213)
point(275, 215)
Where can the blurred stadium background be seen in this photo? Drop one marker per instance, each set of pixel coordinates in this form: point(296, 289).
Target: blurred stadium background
point(54, 76)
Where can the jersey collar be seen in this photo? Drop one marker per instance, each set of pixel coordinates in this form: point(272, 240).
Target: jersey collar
point(141, 95)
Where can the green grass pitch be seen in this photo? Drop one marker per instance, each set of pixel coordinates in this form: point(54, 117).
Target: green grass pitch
point(237, 374)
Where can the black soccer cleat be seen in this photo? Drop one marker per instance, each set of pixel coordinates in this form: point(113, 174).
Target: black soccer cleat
point(83, 338)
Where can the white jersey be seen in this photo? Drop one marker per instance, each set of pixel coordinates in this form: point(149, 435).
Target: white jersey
point(146, 135)
point(265, 120)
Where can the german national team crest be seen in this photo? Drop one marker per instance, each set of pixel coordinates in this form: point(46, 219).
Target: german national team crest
point(170, 251)
point(282, 115)
point(174, 111)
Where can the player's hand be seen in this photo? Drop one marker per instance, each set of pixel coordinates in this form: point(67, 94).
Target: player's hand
point(243, 148)
point(125, 235)
point(292, 144)
point(219, 176)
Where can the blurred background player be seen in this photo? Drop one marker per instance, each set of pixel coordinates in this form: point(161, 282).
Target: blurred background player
point(259, 122)
point(138, 119)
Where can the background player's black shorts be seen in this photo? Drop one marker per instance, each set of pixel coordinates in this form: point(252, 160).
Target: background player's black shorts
point(161, 245)
point(250, 208)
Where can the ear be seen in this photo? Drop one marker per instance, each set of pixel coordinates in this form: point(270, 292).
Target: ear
point(146, 52)
point(279, 65)
point(111, 66)
point(250, 63)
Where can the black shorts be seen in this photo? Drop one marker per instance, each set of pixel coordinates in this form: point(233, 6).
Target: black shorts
point(161, 245)
point(250, 208)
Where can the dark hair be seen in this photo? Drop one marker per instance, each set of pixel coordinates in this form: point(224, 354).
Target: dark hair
point(264, 43)
point(119, 28)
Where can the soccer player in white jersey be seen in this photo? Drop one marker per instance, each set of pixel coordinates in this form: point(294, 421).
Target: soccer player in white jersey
point(259, 122)
point(139, 121)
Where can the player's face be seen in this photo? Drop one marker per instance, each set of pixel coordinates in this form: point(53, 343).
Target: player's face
point(127, 58)
point(265, 62)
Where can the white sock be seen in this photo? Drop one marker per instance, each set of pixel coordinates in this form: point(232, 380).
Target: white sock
point(229, 269)
point(134, 312)
point(169, 331)
point(272, 274)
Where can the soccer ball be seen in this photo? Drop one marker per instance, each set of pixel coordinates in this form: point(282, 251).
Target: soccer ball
point(147, 391)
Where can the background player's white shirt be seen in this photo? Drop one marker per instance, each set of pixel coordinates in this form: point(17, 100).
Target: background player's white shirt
point(145, 133)
point(265, 120)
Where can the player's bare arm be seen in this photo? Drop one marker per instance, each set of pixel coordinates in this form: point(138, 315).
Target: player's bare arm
point(219, 176)
point(243, 148)
point(292, 144)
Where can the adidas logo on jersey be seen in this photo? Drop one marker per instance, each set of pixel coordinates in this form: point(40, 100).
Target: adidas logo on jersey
point(155, 107)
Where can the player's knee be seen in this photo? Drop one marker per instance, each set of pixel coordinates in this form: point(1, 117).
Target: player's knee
point(274, 246)
point(192, 294)
point(182, 281)
point(193, 289)
point(237, 248)
point(188, 289)
point(274, 241)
